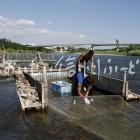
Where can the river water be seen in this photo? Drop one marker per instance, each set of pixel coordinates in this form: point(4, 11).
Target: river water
point(121, 119)
point(114, 118)
point(14, 125)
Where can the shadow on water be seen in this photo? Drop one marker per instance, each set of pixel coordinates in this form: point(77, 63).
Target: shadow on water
point(15, 125)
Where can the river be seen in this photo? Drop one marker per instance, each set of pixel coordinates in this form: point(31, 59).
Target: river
point(114, 118)
point(14, 125)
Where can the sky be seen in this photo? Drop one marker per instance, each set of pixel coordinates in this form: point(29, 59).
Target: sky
point(70, 21)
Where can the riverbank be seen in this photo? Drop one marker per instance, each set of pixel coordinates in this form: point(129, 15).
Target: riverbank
point(9, 46)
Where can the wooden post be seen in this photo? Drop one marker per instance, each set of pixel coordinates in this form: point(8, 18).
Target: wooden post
point(84, 69)
point(92, 65)
point(43, 96)
point(44, 89)
point(124, 84)
point(126, 91)
point(8, 69)
point(92, 62)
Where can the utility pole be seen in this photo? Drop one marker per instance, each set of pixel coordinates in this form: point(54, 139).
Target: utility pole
point(117, 44)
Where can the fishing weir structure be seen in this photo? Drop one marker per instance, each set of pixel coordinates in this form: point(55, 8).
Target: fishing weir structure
point(114, 86)
point(32, 93)
point(32, 82)
point(32, 86)
point(6, 66)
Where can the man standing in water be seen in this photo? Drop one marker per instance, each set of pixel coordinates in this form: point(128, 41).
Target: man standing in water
point(79, 88)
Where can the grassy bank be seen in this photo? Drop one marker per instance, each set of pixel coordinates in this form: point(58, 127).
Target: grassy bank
point(132, 50)
point(10, 46)
point(110, 52)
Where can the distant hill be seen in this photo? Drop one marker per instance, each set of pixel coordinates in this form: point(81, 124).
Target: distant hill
point(8, 44)
point(17, 47)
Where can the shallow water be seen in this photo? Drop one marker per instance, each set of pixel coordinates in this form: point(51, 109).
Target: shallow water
point(113, 119)
point(109, 116)
point(15, 125)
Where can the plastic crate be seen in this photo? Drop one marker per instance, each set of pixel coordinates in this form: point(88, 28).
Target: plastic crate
point(61, 87)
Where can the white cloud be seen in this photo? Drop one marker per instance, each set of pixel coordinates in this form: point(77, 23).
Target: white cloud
point(2, 19)
point(5, 22)
point(24, 22)
point(23, 30)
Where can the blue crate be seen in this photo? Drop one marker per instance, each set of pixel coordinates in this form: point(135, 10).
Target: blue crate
point(61, 87)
